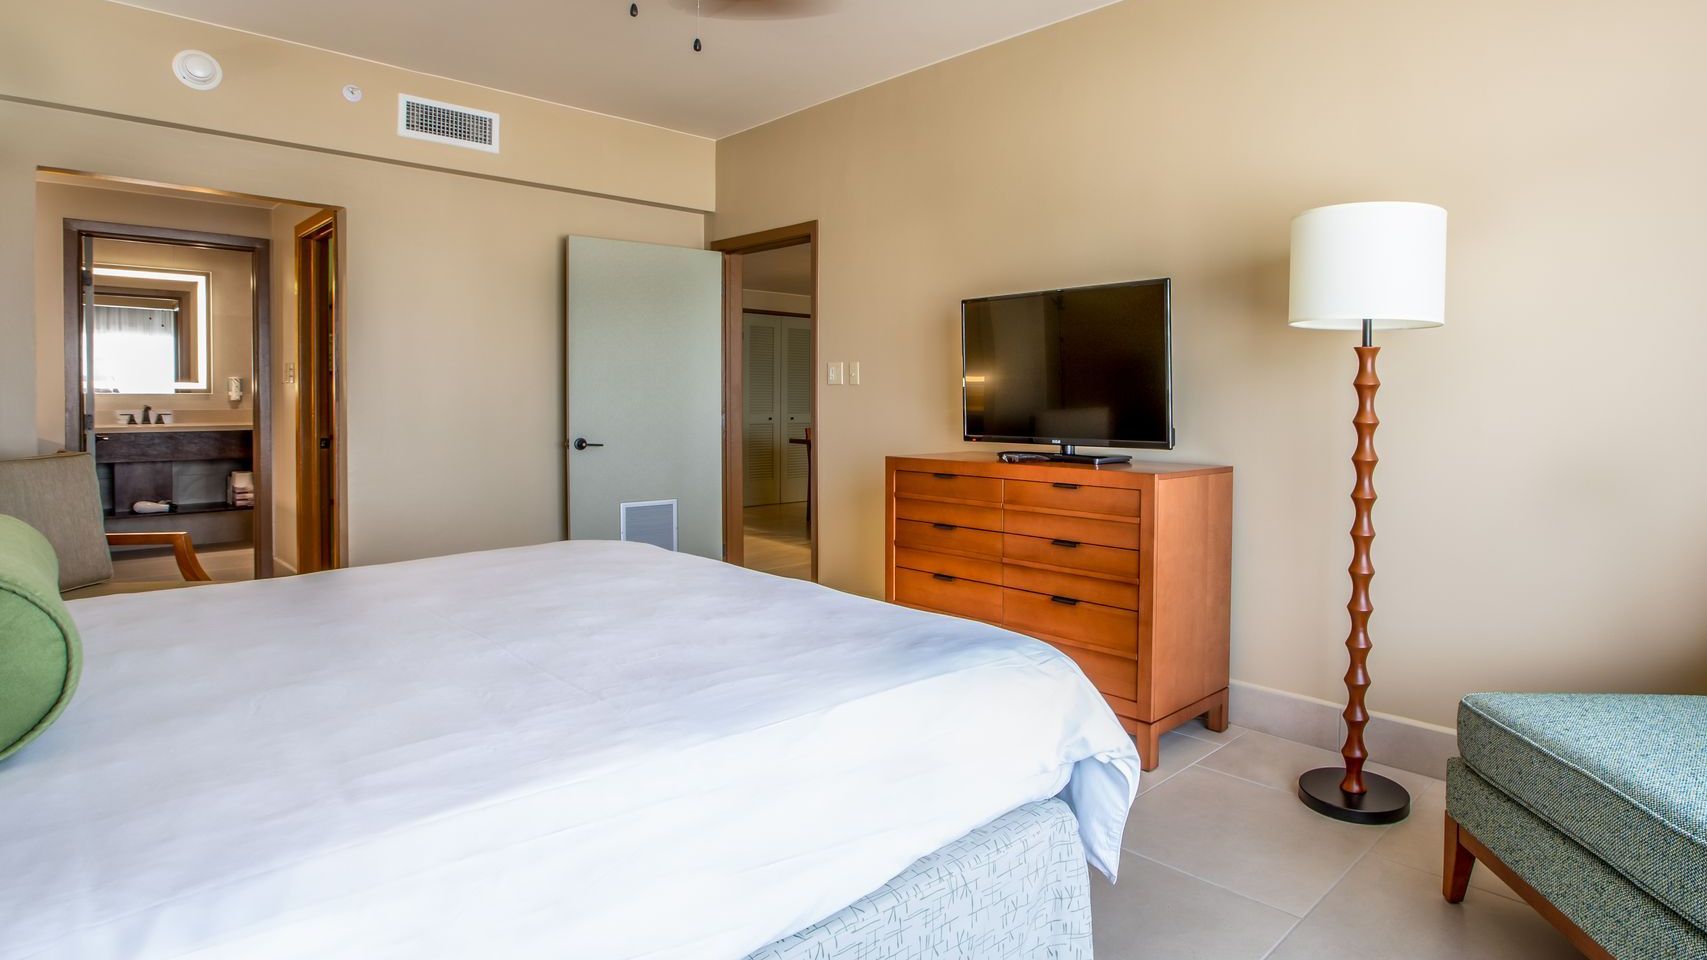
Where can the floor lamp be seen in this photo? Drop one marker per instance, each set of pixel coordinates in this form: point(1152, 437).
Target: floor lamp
point(1368, 267)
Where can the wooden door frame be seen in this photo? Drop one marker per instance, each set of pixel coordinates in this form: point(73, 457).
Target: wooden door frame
point(261, 330)
point(311, 496)
point(734, 500)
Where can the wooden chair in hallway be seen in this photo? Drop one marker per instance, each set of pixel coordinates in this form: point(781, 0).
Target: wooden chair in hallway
point(806, 442)
point(59, 495)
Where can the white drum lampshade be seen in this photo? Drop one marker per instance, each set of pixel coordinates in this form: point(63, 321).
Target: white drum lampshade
point(1384, 262)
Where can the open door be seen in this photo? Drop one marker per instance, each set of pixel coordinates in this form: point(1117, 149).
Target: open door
point(317, 533)
point(644, 417)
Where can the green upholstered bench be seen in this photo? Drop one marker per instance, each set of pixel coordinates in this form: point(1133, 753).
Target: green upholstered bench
point(1593, 807)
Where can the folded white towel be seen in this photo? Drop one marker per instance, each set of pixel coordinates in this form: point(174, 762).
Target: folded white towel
point(240, 488)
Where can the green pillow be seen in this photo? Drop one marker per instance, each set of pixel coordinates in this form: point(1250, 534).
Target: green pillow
point(40, 656)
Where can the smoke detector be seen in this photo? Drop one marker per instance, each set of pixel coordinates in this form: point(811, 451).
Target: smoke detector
point(197, 70)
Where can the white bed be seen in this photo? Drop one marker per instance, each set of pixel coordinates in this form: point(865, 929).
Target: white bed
point(574, 750)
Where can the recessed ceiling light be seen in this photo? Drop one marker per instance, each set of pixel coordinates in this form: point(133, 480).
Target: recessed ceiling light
point(197, 70)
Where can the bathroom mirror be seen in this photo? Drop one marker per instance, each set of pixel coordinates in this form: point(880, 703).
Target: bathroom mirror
point(149, 330)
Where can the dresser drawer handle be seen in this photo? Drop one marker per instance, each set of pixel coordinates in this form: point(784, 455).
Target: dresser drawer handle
point(1069, 601)
point(945, 578)
point(1069, 544)
point(945, 526)
point(943, 476)
point(1065, 486)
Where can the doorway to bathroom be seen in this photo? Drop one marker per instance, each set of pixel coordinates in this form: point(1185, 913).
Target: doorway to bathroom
point(181, 335)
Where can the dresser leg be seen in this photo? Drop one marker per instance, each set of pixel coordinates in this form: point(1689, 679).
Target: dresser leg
point(1216, 718)
point(1149, 738)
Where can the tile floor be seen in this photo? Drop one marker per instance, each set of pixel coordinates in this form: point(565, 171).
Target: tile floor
point(1221, 862)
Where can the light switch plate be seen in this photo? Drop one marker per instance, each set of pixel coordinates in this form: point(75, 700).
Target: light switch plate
point(853, 373)
point(835, 377)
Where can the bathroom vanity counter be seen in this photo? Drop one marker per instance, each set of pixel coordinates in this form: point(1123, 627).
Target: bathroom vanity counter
point(149, 444)
point(171, 427)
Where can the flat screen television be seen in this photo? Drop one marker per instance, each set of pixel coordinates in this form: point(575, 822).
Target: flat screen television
point(1086, 366)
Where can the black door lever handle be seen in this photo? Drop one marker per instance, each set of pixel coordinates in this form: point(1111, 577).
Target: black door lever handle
point(582, 444)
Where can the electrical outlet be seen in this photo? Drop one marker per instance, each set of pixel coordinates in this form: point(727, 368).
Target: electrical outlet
point(835, 374)
point(290, 372)
point(853, 373)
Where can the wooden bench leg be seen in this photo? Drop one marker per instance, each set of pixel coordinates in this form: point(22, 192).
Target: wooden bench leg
point(1456, 865)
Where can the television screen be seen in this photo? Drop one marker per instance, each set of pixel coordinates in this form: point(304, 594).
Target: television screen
point(1083, 366)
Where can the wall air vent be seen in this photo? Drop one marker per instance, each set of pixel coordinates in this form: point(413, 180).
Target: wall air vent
point(425, 119)
point(650, 521)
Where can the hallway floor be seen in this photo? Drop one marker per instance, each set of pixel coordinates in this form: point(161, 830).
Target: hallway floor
point(222, 562)
point(778, 540)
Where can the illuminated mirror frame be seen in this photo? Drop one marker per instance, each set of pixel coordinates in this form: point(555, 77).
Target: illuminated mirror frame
point(202, 337)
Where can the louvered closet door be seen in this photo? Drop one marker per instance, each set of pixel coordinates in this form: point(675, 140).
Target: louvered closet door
point(761, 437)
point(795, 401)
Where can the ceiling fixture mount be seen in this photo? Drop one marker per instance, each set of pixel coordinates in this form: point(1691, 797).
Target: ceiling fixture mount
point(197, 70)
point(744, 10)
point(634, 11)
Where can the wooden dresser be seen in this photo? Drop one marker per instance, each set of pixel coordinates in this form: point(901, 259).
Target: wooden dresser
point(1125, 568)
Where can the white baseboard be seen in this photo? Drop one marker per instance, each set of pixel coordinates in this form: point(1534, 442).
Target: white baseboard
point(1395, 741)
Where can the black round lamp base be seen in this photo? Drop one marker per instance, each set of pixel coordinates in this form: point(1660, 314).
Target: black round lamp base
point(1382, 801)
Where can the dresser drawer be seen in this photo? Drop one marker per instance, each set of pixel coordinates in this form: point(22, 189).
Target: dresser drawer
point(1112, 676)
point(1107, 533)
point(948, 485)
point(1113, 501)
point(953, 514)
point(964, 568)
point(1108, 629)
point(942, 536)
point(963, 598)
point(1071, 553)
point(1109, 593)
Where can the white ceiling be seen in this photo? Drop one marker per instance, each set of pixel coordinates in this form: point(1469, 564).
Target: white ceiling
point(763, 59)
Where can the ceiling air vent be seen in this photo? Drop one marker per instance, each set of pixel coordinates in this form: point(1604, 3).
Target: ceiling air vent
point(425, 119)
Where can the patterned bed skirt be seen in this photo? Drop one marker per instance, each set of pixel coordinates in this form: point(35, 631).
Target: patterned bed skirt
point(1013, 889)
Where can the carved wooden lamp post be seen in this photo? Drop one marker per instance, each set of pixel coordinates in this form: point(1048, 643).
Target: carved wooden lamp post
point(1364, 266)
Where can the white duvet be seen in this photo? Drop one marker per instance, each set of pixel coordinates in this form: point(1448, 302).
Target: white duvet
point(575, 750)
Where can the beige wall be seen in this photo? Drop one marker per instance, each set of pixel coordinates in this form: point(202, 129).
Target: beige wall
point(1541, 520)
point(453, 294)
point(102, 56)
